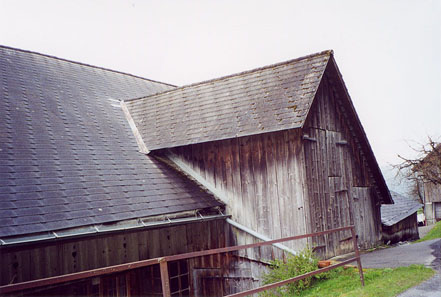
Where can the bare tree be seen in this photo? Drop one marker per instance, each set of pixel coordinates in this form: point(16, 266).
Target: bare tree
point(426, 168)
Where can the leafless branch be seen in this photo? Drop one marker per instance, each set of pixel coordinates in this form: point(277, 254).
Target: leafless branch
point(427, 167)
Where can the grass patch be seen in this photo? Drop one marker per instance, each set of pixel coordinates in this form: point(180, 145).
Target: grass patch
point(432, 234)
point(378, 282)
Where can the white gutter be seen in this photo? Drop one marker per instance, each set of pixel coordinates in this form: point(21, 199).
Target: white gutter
point(221, 196)
point(100, 229)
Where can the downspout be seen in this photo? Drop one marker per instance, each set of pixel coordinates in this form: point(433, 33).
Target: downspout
point(188, 170)
point(260, 236)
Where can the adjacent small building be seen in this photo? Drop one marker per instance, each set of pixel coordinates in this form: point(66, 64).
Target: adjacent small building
point(432, 203)
point(399, 220)
point(431, 188)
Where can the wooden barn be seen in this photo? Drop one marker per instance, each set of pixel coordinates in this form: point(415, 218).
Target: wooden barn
point(400, 219)
point(281, 146)
point(75, 192)
point(92, 178)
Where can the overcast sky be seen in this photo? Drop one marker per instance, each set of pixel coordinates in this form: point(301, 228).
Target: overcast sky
point(388, 51)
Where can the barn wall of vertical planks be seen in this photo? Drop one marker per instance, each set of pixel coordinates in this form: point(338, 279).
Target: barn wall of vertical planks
point(341, 188)
point(296, 181)
point(262, 177)
point(203, 276)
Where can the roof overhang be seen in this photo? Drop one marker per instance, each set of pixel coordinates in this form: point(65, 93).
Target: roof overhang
point(161, 221)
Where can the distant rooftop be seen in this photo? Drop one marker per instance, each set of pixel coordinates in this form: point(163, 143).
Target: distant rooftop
point(402, 208)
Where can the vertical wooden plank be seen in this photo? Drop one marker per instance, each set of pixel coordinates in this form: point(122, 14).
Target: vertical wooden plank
point(237, 178)
point(69, 265)
point(285, 207)
point(143, 251)
point(271, 165)
point(217, 165)
point(323, 187)
point(52, 254)
point(229, 174)
point(84, 255)
point(197, 159)
point(132, 247)
point(95, 254)
point(209, 162)
point(311, 181)
point(247, 186)
point(299, 186)
point(154, 244)
point(117, 242)
point(256, 184)
point(261, 199)
point(38, 265)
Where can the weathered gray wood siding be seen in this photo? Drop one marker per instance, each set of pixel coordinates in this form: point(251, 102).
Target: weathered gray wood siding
point(262, 177)
point(24, 263)
point(432, 192)
point(406, 229)
point(432, 203)
point(340, 186)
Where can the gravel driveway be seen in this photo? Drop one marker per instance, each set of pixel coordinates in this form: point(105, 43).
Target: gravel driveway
point(426, 252)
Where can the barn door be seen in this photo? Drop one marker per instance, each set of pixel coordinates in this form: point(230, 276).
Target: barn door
point(327, 177)
point(365, 216)
point(339, 176)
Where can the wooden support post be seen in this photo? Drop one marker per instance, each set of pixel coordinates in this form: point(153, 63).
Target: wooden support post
point(164, 278)
point(357, 255)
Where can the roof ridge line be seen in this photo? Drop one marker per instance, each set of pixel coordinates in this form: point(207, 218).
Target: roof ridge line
point(84, 64)
point(329, 52)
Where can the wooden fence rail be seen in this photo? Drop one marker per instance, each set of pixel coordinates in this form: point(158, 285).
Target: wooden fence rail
point(162, 261)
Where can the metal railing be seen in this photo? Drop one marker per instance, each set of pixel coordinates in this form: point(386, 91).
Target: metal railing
point(162, 261)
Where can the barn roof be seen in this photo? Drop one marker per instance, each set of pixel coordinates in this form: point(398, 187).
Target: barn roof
point(402, 208)
point(272, 98)
point(68, 157)
point(267, 99)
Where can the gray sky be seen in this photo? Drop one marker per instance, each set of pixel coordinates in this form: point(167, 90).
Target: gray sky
point(388, 51)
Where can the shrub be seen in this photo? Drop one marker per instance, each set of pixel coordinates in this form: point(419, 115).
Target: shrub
point(302, 263)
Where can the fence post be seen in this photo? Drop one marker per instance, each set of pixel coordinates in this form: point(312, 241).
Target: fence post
point(165, 281)
point(357, 254)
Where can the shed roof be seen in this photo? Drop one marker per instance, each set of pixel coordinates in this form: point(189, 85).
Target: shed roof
point(402, 208)
point(68, 157)
point(272, 98)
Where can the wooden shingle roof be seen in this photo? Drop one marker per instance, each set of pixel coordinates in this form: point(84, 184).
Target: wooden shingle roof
point(68, 157)
point(267, 99)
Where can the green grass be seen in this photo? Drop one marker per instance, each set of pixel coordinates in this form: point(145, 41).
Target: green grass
point(432, 234)
point(378, 282)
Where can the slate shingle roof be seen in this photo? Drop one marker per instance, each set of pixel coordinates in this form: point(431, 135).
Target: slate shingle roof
point(67, 155)
point(402, 208)
point(272, 98)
